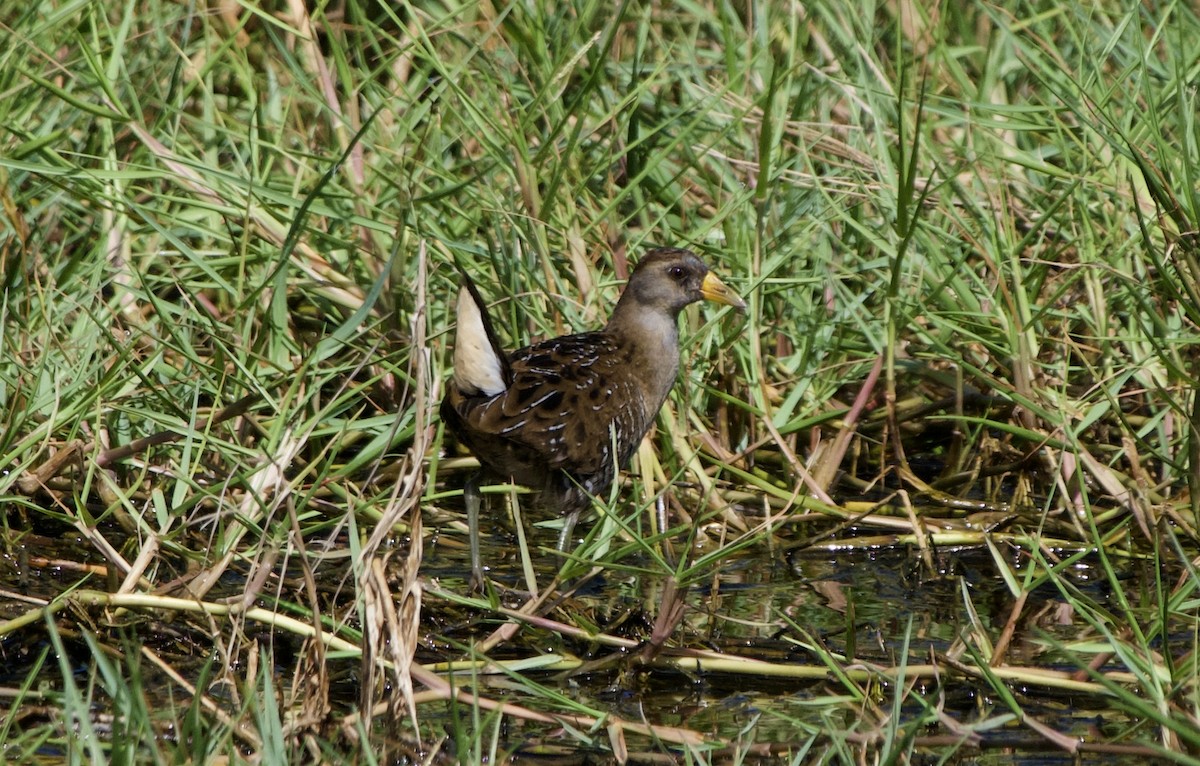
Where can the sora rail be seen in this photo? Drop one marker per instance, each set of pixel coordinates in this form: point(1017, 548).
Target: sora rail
point(562, 415)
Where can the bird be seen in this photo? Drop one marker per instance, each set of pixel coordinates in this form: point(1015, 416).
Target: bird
point(563, 415)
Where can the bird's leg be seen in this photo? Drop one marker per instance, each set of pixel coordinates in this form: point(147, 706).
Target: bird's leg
point(472, 498)
point(568, 567)
point(660, 519)
point(564, 537)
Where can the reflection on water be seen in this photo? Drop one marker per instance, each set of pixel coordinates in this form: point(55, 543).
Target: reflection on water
point(864, 605)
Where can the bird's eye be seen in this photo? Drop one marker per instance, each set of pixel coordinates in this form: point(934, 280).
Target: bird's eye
point(676, 272)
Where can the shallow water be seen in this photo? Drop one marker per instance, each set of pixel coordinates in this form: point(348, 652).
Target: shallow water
point(865, 605)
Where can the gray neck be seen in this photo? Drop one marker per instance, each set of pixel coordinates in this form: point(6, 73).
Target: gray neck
point(654, 338)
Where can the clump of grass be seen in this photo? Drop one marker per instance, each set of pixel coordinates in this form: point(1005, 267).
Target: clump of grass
point(230, 236)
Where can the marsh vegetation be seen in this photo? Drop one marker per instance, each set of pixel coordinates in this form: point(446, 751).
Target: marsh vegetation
point(932, 499)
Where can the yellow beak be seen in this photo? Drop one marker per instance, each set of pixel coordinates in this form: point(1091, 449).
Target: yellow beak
point(713, 289)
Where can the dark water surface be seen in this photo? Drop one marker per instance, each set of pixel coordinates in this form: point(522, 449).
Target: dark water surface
point(881, 607)
point(863, 605)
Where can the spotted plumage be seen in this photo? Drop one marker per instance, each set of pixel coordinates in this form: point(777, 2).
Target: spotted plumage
point(563, 415)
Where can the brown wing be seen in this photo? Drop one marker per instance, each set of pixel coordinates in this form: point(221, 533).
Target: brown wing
point(571, 397)
point(568, 397)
